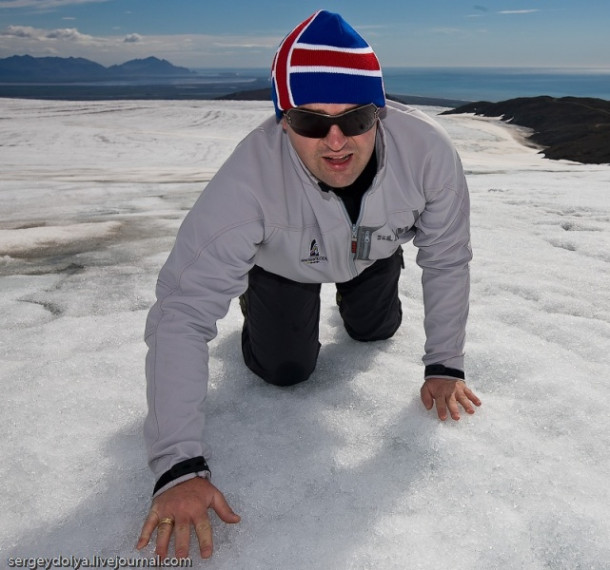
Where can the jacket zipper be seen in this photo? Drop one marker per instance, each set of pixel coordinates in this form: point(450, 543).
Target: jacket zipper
point(354, 239)
point(355, 227)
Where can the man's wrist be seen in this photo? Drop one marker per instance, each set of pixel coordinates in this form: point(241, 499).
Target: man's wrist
point(442, 371)
point(184, 470)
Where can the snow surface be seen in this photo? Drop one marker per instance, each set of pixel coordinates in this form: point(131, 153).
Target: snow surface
point(347, 470)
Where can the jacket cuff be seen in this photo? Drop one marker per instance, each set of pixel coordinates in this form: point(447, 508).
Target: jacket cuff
point(441, 371)
point(195, 467)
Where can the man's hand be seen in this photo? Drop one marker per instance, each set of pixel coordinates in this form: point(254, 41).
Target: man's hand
point(175, 510)
point(447, 394)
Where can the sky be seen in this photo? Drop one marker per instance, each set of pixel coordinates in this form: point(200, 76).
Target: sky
point(242, 33)
point(346, 471)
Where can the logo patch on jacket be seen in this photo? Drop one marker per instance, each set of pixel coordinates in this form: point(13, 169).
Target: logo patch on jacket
point(314, 253)
point(397, 235)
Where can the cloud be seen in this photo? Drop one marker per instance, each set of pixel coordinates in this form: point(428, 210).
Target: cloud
point(19, 32)
point(36, 34)
point(480, 8)
point(68, 34)
point(132, 38)
point(519, 11)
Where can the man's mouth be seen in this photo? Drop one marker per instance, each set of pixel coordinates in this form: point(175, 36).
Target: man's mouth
point(336, 160)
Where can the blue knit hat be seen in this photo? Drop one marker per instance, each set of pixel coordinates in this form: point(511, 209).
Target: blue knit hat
point(324, 60)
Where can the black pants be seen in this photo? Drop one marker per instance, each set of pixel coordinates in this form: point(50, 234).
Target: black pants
point(280, 337)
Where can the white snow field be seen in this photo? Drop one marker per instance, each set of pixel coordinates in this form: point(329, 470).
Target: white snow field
point(348, 470)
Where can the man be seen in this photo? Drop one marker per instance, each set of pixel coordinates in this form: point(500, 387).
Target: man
point(326, 191)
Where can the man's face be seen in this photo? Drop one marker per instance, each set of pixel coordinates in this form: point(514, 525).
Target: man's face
point(336, 160)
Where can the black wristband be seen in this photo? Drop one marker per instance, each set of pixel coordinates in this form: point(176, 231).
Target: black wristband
point(433, 370)
point(185, 467)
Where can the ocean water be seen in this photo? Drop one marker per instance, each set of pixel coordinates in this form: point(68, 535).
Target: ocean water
point(496, 84)
point(468, 84)
point(453, 84)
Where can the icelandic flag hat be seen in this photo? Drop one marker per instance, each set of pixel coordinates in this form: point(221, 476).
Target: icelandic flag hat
point(324, 60)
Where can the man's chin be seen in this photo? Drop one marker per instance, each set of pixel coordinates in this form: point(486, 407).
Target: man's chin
point(338, 179)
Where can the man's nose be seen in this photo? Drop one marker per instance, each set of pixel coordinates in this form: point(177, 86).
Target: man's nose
point(335, 139)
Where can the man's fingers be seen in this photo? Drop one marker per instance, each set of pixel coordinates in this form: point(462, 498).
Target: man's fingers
point(453, 408)
point(467, 406)
point(150, 524)
point(203, 529)
point(223, 510)
point(465, 400)
point(441, 408)
point(175, 510)
point(447, 394)
point(164, 533)
point(426, 397)
point(182, 535)
point(466, 397)
point(472, 397)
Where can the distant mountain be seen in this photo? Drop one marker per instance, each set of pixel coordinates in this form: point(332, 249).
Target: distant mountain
point(149, 67)
point(28, 69)
point(25, 68)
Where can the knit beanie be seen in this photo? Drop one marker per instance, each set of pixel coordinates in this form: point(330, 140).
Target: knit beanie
point(324, 60)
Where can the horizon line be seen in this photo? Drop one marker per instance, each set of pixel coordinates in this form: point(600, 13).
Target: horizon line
point(538, 68)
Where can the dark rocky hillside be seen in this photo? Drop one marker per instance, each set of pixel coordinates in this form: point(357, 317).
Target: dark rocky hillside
point(571, 128)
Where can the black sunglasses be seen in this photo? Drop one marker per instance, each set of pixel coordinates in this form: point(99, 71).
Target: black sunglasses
point(315, 125)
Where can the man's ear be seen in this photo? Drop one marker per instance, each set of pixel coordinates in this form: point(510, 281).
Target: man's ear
point(284, 123)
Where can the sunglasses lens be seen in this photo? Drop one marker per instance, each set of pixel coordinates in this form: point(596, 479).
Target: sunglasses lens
point(316, 125)
point(358, 121)
point(311, 125)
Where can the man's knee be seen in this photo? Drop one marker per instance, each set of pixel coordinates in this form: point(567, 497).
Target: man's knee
point(365, 330)
point(275, 366)
point(287, 374)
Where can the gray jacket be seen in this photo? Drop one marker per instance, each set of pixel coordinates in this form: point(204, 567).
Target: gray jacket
point(263, 207)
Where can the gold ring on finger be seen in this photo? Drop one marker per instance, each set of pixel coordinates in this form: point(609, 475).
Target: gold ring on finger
point(167, 520)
